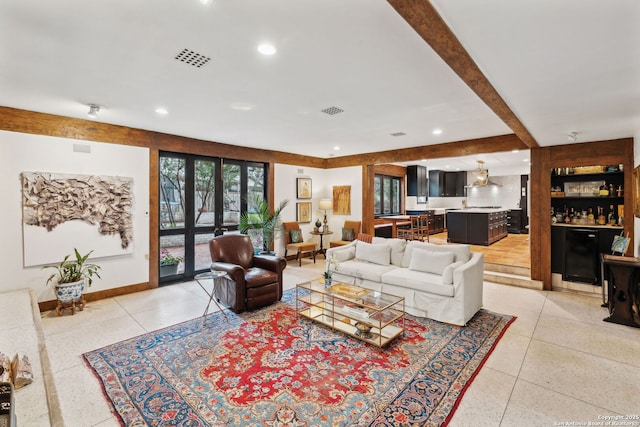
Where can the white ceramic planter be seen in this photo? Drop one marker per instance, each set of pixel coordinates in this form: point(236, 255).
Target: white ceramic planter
point(69, 292)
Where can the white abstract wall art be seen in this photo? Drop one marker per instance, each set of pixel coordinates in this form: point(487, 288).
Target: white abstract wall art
point(90, 212)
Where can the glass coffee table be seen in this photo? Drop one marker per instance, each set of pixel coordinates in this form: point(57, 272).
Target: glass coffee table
point(371, 316)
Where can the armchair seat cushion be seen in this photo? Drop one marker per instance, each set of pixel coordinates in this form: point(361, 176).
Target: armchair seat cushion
point(259, 277)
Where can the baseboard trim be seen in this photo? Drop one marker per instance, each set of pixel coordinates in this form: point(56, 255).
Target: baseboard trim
point(95, 296)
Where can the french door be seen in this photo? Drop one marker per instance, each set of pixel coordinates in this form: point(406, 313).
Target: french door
point(200, 197)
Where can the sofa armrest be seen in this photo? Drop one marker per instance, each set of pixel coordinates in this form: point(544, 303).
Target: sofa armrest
point(331, 252)
point(468, 278)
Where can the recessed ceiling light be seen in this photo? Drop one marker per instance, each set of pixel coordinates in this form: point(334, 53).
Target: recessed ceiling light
point(162, 111)
point(241, 106)
point(337, 148)
point(525, 160)
point(447, 167)
point(437, 131)
point(515, 150)
point(205, 2)
point(267, 49)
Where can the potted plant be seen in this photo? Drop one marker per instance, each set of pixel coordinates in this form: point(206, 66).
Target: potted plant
point(70, 278)
point(332, 263)
point(260, 224)
point(168, 263)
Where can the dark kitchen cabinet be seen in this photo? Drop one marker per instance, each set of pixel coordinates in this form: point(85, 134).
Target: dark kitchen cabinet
point(447, 184)
point(417, 181)
point(476, 228)
point(516, 221)
point(438, 224)
point(564, 246)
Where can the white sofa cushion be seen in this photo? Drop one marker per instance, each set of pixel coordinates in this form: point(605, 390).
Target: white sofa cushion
point(447, 274)
point(430, 261)
point(417, 280)
point(374, 253)
point(397, 248)
point(461, 252)
point(365, 270)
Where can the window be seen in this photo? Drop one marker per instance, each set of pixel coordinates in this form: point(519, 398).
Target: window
point(387, 195)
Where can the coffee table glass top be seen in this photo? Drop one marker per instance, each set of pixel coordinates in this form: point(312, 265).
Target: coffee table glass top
point(367, 297)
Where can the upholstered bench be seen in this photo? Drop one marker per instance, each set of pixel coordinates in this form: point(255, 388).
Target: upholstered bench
point(300, 249)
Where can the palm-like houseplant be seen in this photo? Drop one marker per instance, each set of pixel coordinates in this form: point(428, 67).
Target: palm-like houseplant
point(262, 220)
point(70, 278)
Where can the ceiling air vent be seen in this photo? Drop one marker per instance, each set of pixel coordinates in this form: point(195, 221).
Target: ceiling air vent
point(398, 134)
point(332, 111)
point(192, 58)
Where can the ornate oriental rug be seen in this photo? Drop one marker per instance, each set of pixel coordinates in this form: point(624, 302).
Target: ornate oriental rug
point(271, 368)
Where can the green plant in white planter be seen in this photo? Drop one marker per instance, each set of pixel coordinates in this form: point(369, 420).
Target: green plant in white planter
point(70, 279)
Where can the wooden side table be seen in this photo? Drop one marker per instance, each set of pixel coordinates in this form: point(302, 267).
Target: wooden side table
point(623, 274)
point(321, 234)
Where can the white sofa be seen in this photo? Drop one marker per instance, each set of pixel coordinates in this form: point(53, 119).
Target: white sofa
point(441, 282)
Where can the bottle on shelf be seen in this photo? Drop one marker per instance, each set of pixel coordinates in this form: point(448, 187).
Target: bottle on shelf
point(590, 216)
point(602, 220)
point(611, 190)
point(613, 216)
point(604, 190)
point(620, 191)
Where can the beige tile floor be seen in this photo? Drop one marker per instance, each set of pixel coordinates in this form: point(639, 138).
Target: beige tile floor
point(558, 362)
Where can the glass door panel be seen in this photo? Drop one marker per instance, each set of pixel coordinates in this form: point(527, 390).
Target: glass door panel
point(172, 195)
point(231, 183)
point(204, 194)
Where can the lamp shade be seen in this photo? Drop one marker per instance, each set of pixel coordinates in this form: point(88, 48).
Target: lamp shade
point(326, 204)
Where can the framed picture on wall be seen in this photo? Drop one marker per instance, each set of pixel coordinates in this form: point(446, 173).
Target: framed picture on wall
point(303, 213)
point(303, 188)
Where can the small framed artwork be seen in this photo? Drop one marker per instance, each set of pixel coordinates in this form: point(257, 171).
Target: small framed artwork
point(303, 213)
point(303, 189)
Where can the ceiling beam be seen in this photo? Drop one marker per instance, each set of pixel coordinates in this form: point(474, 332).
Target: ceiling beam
point(427, 22)
point(491, 144)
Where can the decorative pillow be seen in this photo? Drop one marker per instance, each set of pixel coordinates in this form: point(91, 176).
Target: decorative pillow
point(367, 238)
point(348, 234)
point(462, 252)
point(344, 254)
point(376, 254)
point(296, 236)
point(397, 248)
point(447, 274)
point(430, 262)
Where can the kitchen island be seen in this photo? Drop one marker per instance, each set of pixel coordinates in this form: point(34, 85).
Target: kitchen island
point(477, 226)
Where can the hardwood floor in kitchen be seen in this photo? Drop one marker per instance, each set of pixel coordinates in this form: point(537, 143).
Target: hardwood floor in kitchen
point(512, 250)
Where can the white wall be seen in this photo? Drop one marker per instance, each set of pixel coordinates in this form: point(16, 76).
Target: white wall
point(322, 182)
point(507, 196)
point(24, 152)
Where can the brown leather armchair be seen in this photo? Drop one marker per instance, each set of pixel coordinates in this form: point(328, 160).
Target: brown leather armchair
point(258, 278)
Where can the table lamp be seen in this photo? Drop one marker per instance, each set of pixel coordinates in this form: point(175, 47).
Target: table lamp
point(325, 205)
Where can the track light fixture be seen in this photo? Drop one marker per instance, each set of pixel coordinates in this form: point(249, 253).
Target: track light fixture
point(93, 111)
